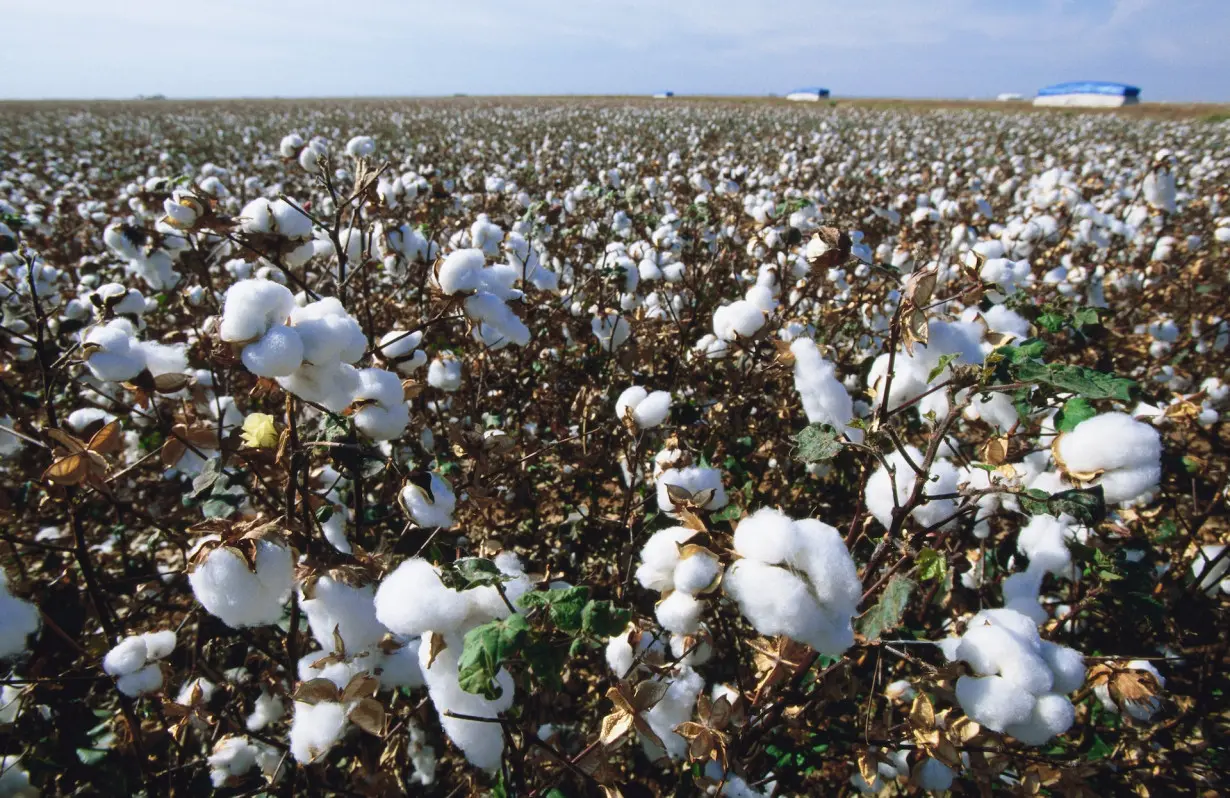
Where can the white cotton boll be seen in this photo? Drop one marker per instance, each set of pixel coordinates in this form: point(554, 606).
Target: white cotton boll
point(332, 386)
point(461, 271)
point(694, 479)
point(189, 688)
point(1066, 664)
point(252, 307)
point(654, 410)
point(675, 708)
point(696, 573)
point(1128, 451)
point(825, 399)
point(317, 665)
point(315, 729)
point(679, 613)
point(128, 656)
point(777, 602)
point(740, 319)
point(159, 645)
point(823, 556)
point(491, 311)
point(401, 350)
point(767, 535)
point(277, 354)
point(1044, 541)
point(114, 356)
point(482, 743)
point(290, 144)
point(268, 709)
point(430, 511)
point(934, 775)
point(761, 296)
point(994, 701)
point(444, 373)
point(412, 601)
point(143, 681)
point(401, 668)
point(18, 620)
point(611, 329)
point(733, 786)
point(230, 591)
point(660, 557)
point(880, 495)
point(991, 650)
point(1052, 715)
point(900, 690)
point(348, 609)
point(628, 400)
point(383, 413)
point(329, 333)
point(232, 758)
point(995, 409)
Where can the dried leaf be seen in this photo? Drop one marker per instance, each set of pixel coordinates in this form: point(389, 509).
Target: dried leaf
point(995, 450)
point(368, 715)
point(71, 470)
point(361, 686)
point(314, 691)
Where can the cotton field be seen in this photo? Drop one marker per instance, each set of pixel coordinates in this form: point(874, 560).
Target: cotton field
point(568, 448)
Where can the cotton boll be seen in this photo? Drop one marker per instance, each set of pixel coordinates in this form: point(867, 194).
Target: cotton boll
point(679, 613)
point(382, 413)
point(360, 146)
point(348, 609)
point(777, 602)
point(461, 271)
point(328, 332)
point(317, 665)
point(232, 758)
point(400, 668)
point(18, 620)
point(332, 386)
point(994, 701)
point(611, 329)
point(1126, 450)
point(252, 307)
point(1044, 541)
point(654, 410)
point(1142, 710)
point(1052, 715)
point(933, 775)
point(880, 494)
point(482, 743)
point(445, 373)
point(993, 650)
point(142, 681)
point(277, 354)
point(400, 349)
point(239, 597)
point(695, 480)
point(161, 359)
point(696, 573)
point(315, 729)
point(412, 601)
point(675, 708)
point(491, 311)
point(660, 558)
point(126, 657)
point(825, 399)
point(267, 709)
point(628, 400)
point(112, 354)
point(823, 556)
point(740, 319)
point(767, 535)
point(430, 511)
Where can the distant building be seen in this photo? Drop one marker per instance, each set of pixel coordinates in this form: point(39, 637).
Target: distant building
point(1010, 97)
point(808, 95)
point(1088, 94)
point(664, 95)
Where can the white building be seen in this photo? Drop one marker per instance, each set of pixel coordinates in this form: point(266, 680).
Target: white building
point(1088, 94)
point(1010, 97)
point(808, 95)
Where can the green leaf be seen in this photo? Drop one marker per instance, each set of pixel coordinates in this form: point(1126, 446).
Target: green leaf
point(941, 365)
point(817, 442)
point(931, 565)
point(483, 653)
point(1034, 501)
point(1086, 317)
point(887, 613)
point(984, 466)
point(91, 756)
point(470, 572)
point(1052, 322)
point(546, 661)
point(564, 606)
point(324, 512)
point(205, 480)
point(1087, 505)
point(731, 512)
point(215, 507)
point(604, 619)
point(1074, 412)
point(1091, 384)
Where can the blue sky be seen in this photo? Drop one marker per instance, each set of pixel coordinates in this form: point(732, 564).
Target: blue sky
point(1173, 49)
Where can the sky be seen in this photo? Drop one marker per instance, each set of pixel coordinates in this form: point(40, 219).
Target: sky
point(1175, 50)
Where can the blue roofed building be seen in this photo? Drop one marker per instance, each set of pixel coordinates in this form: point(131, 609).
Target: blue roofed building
point(1088, 94)
point(811, 94)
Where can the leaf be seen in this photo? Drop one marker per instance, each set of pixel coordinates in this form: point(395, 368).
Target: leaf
point(1052, 322)
point(564, 605)
point(604, 619)
point(1087, 505)
point(108, 440)
point(484, 651)
point(1086, 317)
point(471, 572)
point(932, 566)
point(71, 470)
point(205, 480)
point(817, 442)
point(731, 512)
point(91, 756)
point(941, 365)
point(314, 691)
point(1034, 501)
point(368, 715)
point(887, 613)
point(1073, 412)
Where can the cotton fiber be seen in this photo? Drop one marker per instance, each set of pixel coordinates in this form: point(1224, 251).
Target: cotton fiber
point(646, 410)
point(382, 414)
point(693, 479)
point(1115, 451)
point(825, 399)
point(237, 595)
point(434, 510)
point(943, 479)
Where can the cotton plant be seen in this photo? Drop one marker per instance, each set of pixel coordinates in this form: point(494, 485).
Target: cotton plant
point(134, 662)
point(1114, 451)
point(640, 409)
point(233, 757)
point(887, 491)
point(484, 292)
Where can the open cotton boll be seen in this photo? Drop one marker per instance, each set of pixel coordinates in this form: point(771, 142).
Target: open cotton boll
point(128, 656)
point(995, 409)
point(733, 786)
point(740, 319)
point(660, 557)
point(268, 709)
point(482, 743)
point(444, 373)
point(675, 708)
point(199, 688)
point(693, 479)
point(233, 757)
point(278, 353)
point(943, 480)
point(1067, 666)
point(331, 385)
point(18, 620)
point(382, 413)
point(400, 668)
point(144, 680)
point(112, 353)
point(360, 146)
point(767, 535)
point(239, 597)
point(696, 573)
point(611, 329)
point(252, 307)
point(290, 144)
point(823, 555)
point(329, 333)
point(647, 410)
point(412, 601)
point(491, 311)
point(679, 613)
point(461, 271)
point(162, 359)
point(401, 350)
point(1044, 541)
point(316, 665)
point(350, 610)
point(825, 399)
point(990, 650)
point(1127, 451)
point(994, 702)
point(315, 728)
point(435, 510)
point(778, 602)
point(1052, 715)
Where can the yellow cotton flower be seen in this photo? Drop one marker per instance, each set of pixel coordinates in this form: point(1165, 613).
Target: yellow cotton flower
point(259, 431)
